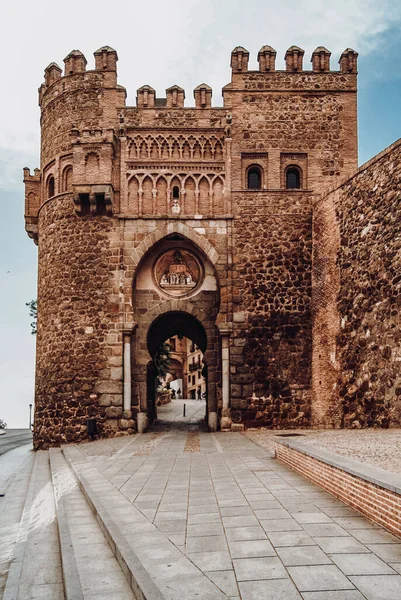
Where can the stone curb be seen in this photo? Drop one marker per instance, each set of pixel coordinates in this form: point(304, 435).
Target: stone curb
point(72, 583)
point(138, 578)
point(14, 575)
point(376, 475)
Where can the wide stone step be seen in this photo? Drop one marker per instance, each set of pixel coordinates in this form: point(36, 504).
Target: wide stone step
point(155, 568)
point(15, 476)
point(35, 570)
point(90, 569)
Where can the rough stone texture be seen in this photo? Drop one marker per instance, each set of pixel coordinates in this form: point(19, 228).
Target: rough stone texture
point(271, 353)
point(358, 296)
point(75, 326)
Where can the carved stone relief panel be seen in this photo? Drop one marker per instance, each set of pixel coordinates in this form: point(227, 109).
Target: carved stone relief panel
point(177, 272)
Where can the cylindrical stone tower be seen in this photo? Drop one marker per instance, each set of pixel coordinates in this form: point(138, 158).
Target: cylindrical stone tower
point(79, 345)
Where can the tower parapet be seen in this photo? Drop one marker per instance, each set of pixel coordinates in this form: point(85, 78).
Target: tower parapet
point(52, 73)
point(145, 97)
point(321, 60)
point(294, 58)
point(239, 59)
point(203, 96)
point(75, 62)
point(175, 97)
point(348, 61)
point(106, 59)
point(267, 59)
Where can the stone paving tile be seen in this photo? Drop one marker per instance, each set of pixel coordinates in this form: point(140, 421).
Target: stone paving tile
point(212, 561)
point(252, 569)
point(338, 511)
point(341, 545)
point(312, 517)
point(388, 552)
point(325, 530)
point(319, 578)
point(290, 538)
point(204, 518)
point(302, 556)
point(344, 595)
point(247, 521)
point(280, 525)
point(236, 511)
point(275, 513)
point(214, 543)
point(251, 548)
point(245, 533)
point(225, 581)
point(274, 589)
point(375, 536)
point(350, 523)
point(175, 526)
point(362, 564)
point(379, 587)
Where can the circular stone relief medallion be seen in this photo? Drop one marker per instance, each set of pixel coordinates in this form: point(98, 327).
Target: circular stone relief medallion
point(177, 272)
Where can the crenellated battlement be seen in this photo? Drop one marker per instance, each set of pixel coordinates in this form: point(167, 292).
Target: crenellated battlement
point(76, 76)
point(294, 56)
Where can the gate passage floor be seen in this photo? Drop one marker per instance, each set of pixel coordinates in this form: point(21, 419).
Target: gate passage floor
point(253, 527)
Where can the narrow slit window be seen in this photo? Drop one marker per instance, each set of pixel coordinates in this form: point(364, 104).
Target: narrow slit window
point(84, 201)
point(254, 178)
point(100, 204)
point(293, 178)
point(50, 187)
point(176, 192)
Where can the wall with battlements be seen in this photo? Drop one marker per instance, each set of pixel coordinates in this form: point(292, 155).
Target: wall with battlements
point(119, 185)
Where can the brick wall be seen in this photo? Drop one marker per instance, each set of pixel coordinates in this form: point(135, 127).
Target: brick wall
point(379, 504)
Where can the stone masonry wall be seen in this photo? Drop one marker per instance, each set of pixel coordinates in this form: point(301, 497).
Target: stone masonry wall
point(79, 348)
point(271, 347)
point(363, 219)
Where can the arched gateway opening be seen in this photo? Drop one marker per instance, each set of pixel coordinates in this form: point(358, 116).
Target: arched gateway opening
point(177, 328)
point(176, 298)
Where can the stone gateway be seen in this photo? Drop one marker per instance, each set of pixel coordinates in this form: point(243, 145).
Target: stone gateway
point(246, 228)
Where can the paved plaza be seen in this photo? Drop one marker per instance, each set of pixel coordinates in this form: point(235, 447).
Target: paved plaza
point(195, 515)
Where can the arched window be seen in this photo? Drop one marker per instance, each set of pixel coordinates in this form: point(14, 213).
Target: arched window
point(254, 178)
point(50, 187)
point(176, 192)
point(293, 178)
point(67, 179)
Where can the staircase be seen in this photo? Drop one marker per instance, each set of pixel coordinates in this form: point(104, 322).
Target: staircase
point(51, 545)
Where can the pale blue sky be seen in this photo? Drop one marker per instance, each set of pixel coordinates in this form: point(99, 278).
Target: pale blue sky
point(184, 42)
